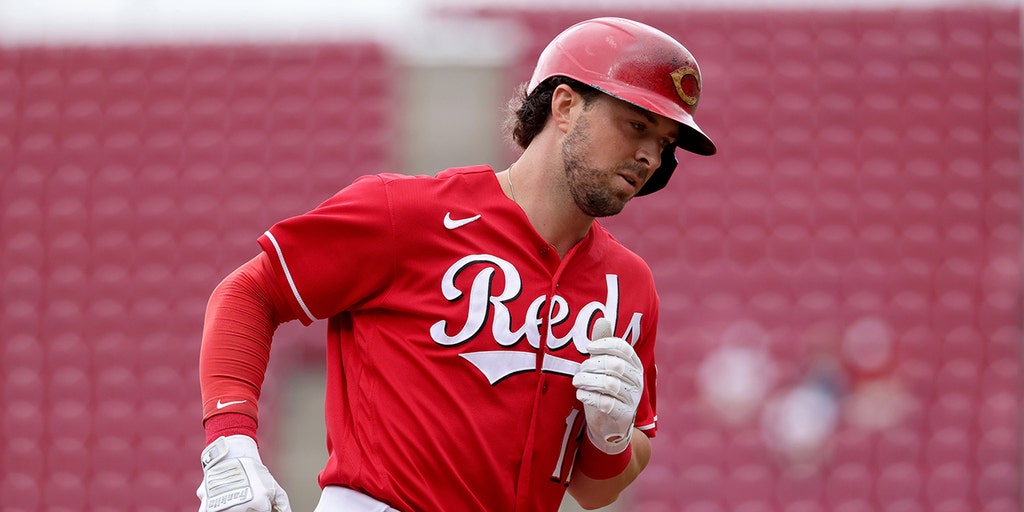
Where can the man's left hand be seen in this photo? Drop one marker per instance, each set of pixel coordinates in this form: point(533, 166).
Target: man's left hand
point(609, 384)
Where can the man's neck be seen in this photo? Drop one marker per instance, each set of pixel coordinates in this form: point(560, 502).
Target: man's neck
point(547, 204)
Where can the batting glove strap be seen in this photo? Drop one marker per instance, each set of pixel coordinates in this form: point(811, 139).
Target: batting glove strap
point(612, 443)
point(235, 479)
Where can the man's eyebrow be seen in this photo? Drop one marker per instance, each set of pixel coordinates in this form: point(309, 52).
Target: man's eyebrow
point(644, 112)
point(650, 117)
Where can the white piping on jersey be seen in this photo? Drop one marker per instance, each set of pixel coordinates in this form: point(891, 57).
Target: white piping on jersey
point(649, 425)
point(288, 276)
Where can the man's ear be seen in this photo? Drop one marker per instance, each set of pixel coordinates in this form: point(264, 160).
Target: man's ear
point(563, 99)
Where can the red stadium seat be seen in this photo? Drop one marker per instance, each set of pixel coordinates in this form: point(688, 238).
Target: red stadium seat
point(848, 483)
point(948, 485)
point(998, 483)
point(63, 490)
point(751, 487)
point(1001, 376)
point(898, 482)
point(853, 446)
point(106, 492)
point(998, 445)
point(905, 505)
point(697, 483)
point(948, 445)
point(800, 488)
point(958, 376)
point(21, 491)
point(998, 411)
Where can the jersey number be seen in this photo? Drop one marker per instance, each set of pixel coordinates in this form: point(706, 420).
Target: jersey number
point(573, 431)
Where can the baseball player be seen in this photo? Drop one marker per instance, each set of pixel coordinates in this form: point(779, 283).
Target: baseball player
point(490, 345)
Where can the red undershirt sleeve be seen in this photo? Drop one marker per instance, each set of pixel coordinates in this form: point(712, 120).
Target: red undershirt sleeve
point(241, 317)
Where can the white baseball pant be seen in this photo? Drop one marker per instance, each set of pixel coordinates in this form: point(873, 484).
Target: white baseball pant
point(342, 499)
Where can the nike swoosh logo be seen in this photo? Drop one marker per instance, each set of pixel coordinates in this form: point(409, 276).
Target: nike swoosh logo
point(451, 223)
point(221, 405)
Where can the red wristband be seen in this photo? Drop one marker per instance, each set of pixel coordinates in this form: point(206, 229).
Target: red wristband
point(599, 465)
point(229, 424)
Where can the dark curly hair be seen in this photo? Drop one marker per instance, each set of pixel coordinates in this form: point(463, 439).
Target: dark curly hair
point(526, 115)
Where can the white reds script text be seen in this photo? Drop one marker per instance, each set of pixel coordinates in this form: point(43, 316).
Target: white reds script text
point(482, 297)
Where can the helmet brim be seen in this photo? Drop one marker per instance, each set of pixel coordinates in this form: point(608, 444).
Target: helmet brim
point(691, 137)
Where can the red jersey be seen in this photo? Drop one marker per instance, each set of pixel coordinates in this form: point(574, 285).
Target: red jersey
point(454, 330)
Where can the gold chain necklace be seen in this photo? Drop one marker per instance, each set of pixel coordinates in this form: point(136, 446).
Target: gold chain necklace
point(512, 190)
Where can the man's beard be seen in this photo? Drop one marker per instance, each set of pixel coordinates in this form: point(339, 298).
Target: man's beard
point(587, 185)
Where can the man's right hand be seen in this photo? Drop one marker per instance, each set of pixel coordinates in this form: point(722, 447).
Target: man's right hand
point(235, 479)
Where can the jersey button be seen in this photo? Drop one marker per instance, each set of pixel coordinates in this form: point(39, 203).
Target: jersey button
point(544, 388)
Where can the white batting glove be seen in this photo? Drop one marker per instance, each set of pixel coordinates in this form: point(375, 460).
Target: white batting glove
point(235, 479)
point(609, 383)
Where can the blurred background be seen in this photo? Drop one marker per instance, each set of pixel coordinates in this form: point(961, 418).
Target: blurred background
point(841, 285)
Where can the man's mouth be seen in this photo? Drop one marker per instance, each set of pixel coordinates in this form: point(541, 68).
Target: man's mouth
point(632, 179)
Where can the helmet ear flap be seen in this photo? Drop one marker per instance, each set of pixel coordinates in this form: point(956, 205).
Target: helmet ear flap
point(661, 175)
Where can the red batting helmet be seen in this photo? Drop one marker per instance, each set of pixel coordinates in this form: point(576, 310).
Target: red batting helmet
point(638, 64)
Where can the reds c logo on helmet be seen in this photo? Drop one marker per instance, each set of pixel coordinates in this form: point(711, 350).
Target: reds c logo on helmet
point(687, 82)
point(638, 64)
